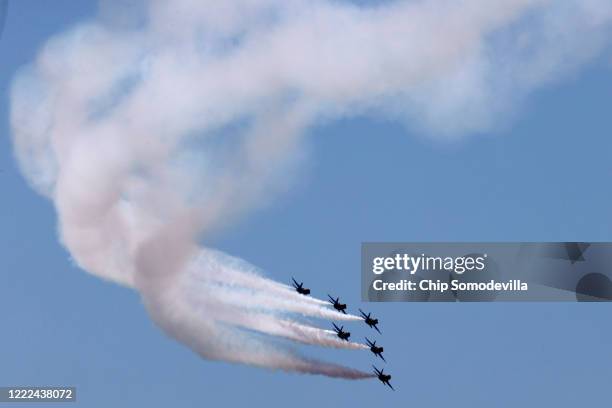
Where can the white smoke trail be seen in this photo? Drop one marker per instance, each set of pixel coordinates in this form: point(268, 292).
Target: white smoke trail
point(269, 301)
point(216, 308)
point(147, 134)
point(236, 273)
point(244, 287)
point(199, 315)
point(254, 309)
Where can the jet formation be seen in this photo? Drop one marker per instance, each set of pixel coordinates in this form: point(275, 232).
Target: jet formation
point(345, 335)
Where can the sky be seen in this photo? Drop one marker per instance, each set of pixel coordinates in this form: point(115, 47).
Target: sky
point(541, 177)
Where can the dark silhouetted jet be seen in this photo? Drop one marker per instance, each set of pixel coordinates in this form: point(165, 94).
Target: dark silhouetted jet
point(376, 349)
point(299, 287)
point(337, 305)
point(369, 321)
point(384, 378)
point(341, 333)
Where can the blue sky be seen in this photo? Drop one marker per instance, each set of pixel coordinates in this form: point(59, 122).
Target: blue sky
point(543, 177)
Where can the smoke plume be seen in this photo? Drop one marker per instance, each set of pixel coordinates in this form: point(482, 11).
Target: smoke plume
point(152, 128)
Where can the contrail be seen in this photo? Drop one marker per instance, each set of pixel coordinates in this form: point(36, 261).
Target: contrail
point(267, 301)
point(319, 337)
point(275, 326)
point(238, 282)
point(236, 273)
point(149, 135)
point(199, 315)
point(252, 309)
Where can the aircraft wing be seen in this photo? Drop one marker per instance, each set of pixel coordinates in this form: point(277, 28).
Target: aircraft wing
point(377, 329)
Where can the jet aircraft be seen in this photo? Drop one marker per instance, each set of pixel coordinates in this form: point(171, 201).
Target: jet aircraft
point(384, 378)
point(369, 320)
point(337, 305)
point(341, 333)
point(299, 288)
point(377, 350)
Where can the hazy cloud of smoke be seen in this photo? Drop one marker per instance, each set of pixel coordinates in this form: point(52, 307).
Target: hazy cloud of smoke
point(148, 131)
